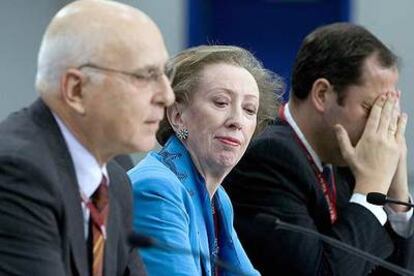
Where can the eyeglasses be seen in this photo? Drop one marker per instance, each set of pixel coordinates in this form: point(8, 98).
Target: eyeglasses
point(147, 75)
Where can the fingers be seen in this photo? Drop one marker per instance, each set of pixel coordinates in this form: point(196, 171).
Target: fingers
point(384, 125)
point(398, 103)
point(344, 143)
point(392, 129)
point(375, 115)
point(401, 126)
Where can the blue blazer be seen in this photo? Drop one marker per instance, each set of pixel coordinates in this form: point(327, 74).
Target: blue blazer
point(171, 204)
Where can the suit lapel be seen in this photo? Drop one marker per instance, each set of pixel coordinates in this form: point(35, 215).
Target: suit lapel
point(70, 190)
point(76, 231)
point(344, 185)
point(320, 215)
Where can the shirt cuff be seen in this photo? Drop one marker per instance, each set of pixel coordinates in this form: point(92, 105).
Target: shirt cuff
point(400, 221)
point(377, 211)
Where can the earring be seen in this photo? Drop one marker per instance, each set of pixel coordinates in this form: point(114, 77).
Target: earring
point(182, 134)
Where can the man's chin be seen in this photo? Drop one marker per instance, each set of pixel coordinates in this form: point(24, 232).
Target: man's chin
point(145, 144)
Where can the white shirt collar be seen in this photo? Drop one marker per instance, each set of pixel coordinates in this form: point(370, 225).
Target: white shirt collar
point(302, 138)
point(88, 172)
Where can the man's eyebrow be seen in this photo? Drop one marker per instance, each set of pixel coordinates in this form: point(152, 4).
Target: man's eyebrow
point(150, 68)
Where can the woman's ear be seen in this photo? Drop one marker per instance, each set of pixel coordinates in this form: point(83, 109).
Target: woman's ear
point(71, 90)
point(320, 93)
point(174, 116)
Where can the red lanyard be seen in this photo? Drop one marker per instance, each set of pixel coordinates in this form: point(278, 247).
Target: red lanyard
point(329, 191)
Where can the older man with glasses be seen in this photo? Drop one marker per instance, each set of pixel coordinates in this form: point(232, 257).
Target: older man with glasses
point(65, 208)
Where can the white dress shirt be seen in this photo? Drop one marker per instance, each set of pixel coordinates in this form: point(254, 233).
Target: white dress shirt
point(88, 171)
point(399, 221)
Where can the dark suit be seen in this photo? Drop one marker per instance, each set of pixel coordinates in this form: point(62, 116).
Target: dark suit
point(125, 161)
point(41, 221)
point(274, 177)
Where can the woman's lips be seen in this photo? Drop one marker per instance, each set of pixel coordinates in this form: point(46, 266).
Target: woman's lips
point(229, 141)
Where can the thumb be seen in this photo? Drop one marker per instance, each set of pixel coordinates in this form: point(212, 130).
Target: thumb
point(344, 143)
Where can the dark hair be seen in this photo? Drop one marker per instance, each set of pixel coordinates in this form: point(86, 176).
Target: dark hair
point(337, 53)
point(188, 64)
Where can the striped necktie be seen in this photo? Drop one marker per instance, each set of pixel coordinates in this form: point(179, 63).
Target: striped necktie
point(99, 209)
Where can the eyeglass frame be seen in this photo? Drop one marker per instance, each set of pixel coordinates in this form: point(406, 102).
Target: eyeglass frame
point(151, 76)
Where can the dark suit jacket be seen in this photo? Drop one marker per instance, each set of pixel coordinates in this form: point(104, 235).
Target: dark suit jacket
point(125, 161)
point(275, 178)
point(41, 221)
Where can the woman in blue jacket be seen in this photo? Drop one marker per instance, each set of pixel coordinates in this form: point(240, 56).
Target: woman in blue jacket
point(223, 96)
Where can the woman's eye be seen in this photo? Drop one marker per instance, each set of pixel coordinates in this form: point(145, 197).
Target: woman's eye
point(220, 103)
point(250, 110)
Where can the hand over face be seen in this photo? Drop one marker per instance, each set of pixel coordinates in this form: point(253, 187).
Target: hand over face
point(375, 158)
point(399, 184)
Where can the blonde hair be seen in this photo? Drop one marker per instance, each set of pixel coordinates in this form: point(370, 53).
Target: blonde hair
point(185, 68)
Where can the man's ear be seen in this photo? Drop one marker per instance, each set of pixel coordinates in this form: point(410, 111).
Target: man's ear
point(174, 116)
point(71, 90)
point(320, 93)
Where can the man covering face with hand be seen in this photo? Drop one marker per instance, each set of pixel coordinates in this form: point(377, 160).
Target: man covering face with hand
point(342, 112)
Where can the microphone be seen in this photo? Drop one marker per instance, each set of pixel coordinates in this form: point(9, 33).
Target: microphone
point(141, 241)
point(381, 199)
point(278, 224)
